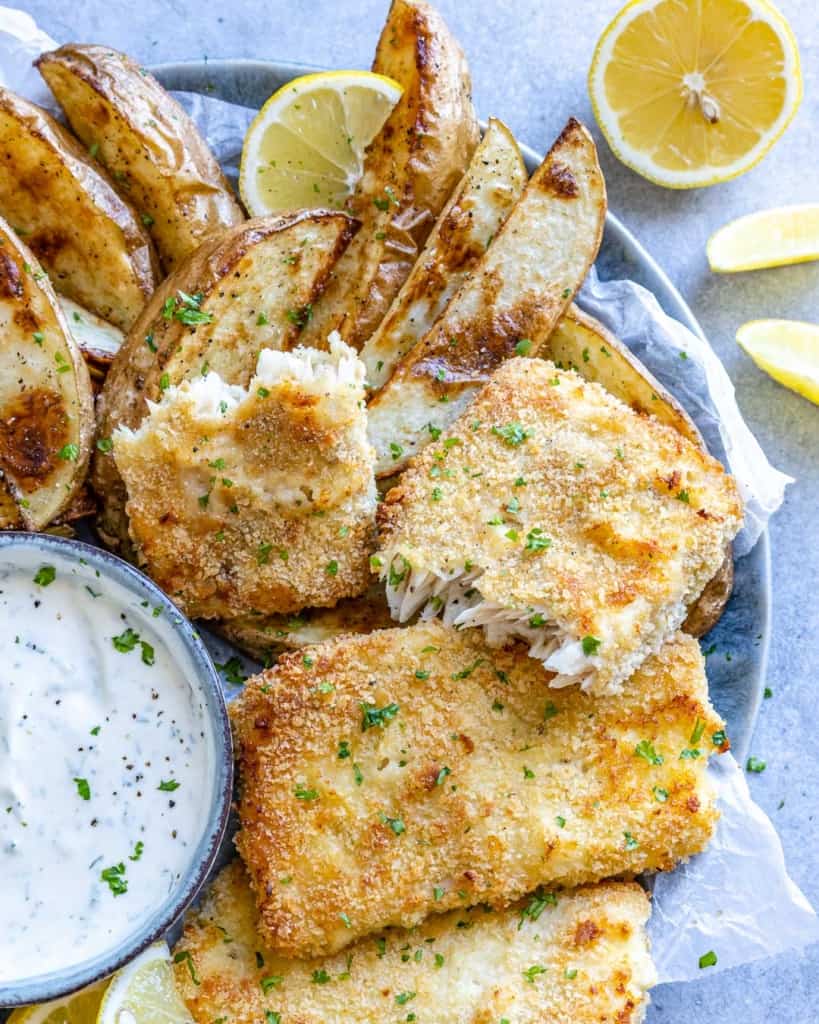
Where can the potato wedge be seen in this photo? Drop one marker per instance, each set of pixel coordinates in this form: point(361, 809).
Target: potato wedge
point(88, 239)
point(581, 343)
point(517, 292)
point(46, 409)
point(99, 340)
point(584, 344)
point(410, 170)
point(487, 192)
point(244, 290)
point(153, 150)
point(265, 636)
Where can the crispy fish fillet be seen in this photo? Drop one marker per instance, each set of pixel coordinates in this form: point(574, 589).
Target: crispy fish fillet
point(582, 959)
point(255, 499)
point(476, 209)
point(265, 636)
point(583, 527)
point(417, 770)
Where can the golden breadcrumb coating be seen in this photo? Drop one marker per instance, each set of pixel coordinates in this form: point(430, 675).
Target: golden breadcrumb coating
point(580, 957)
point(415, 770)
point(260, 499)
point(553, 512)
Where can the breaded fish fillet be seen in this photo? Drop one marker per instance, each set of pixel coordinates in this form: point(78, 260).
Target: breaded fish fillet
point(578, 958)
point(260, 499)
point(390, 776)
point(553, 512)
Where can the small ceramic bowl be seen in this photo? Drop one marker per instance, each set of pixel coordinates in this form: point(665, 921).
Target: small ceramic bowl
point(190, 654)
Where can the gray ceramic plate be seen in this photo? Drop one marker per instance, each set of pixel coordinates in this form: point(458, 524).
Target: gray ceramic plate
point(736, 666)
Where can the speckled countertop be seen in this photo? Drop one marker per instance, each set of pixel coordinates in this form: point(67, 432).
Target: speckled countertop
point(529, 61)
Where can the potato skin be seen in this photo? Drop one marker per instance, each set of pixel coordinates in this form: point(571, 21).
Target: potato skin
point(410, 170)
point(46, 408)
point(88, 238)
point(160, 351)
point(154, 151)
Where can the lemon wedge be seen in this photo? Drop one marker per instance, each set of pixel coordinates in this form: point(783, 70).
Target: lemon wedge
point(769, 238)
point(788, 350)
point(305, 147)
point(144, 992)
point(694, 92)
point(78, 1008)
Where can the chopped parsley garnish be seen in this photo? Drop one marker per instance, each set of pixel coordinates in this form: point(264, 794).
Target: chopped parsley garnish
point(755, 764)
point(591, 644)
point(115, 877)
point(69, 452)
point(437, 894)
point(331, 568)
point(262, 392)
point(528, 773)
point(263, 554)
point(630, 842)
point(570, 973)
point(168, 785)
point(719, 738)
point(126, 641)
point(83, 788)
point(549, 711)
point(183, 956)
point(300, 317)
point(305, 794)
point(768, 693)
point(523, 347)
point(270, 1016)
point(645, 749)
point(439, 960)
point(96, 730)
point(404, 997)
point(708, 959)
point(343, 750)
point(536, 905)
point(232, 670)
point(537, 620)
point(147, 220)
point(434, 432)
point(660, 794)
point(344, 917)
point(104, 444)
point(513, 434)
point(421, 673)
point(442, 774)
point(357, 775)
point(374, 716)
point(532, 972)
point(320, 977)
point(396, 450)
point(535, 541)
point(138, 850)
point(689, 754)
point(465, 673)
point(560, 821)
point(149, 341)
point(397, 574)
point(396, 824)
point(39, 337)
point(696, 735)
point(45, 574)
point(186, 309)
point(270, 982)
point(683, 497)
point(164, 382)
point(261, 320)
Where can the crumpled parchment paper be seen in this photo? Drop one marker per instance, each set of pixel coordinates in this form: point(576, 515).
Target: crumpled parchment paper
point(736, 898)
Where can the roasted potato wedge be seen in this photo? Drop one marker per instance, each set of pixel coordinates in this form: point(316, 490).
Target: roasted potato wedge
point(516, 294)
point(46, 409)
point(265, 636)
point(479, 205)
point(54, 196)
point(249, 288)
point(153, 150)
point(583, 343)
point(99, 340)
point(410, 170)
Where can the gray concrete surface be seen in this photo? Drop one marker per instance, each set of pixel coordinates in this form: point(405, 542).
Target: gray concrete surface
point(529, 62)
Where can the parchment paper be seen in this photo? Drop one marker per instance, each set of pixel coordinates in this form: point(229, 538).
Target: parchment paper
point(736, 898)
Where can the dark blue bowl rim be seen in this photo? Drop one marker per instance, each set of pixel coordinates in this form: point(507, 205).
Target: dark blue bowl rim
point(62, 982)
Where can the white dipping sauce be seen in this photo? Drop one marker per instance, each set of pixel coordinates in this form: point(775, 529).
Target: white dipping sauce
point(106, 763)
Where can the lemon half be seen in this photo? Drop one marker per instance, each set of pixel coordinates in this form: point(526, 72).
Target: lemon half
point(788, 350)
point(144, 992)
point(694, 92)
point(768, 238)
point(79, 1008)
point(305, 147)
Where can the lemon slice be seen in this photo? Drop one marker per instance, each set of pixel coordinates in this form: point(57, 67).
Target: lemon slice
point(788, 350)
point(769, 238)
point(143, 992)
point(79, 1008)
point(305, 147)
point(694, 92)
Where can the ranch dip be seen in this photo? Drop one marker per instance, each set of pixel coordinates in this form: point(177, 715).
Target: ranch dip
point(106, 762)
